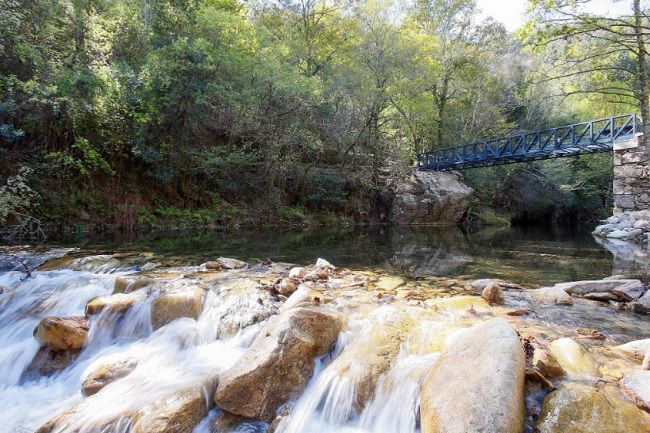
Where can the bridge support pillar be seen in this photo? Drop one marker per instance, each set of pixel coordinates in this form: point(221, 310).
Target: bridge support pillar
point(631, 175)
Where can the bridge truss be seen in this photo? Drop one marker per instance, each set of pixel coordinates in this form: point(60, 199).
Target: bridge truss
point(580, 138)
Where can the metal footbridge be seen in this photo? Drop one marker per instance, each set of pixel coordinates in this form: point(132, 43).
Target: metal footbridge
point(580, 138)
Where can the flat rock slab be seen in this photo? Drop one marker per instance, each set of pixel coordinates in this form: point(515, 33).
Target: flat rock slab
point(477, 384)
point(636, 385)
point(581, 288)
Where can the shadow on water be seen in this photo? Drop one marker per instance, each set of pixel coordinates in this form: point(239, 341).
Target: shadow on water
point(526, 255)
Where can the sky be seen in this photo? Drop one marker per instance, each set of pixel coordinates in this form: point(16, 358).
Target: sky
point(512, 12)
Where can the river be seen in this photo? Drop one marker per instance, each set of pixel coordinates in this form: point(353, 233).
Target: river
point(176, 354)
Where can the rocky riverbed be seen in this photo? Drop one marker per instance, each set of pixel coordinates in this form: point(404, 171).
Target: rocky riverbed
point(132, 342)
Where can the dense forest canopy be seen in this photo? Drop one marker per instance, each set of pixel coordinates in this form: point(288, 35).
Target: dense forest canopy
point(125, 111)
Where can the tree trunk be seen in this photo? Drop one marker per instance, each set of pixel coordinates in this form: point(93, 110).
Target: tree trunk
point(643, 74)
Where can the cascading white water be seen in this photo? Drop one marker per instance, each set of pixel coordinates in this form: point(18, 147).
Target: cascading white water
point(183, 353)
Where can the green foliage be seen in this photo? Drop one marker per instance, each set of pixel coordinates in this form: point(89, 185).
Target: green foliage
point(140, 110)
point(17, 198)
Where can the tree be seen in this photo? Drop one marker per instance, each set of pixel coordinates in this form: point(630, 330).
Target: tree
point(595, 55)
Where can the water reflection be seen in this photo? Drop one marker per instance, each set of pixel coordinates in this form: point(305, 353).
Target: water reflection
point(630, 258)
point(532, 256)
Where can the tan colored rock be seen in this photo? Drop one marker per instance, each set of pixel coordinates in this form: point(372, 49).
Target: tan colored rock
point(226, 423)
point(477, 384)
point(106, 373)
point(460, 303)
point(573, 358)
point(493, 294)
point(62, 333)
point(175, 303)
point(544, 361)
point(278, 364)
point(636, 386)
point(225, 263)
point(178, 412)
point(389, 283)
point(131, 283)
point(286, 287)
point(304, 296)
point(553, 294)
point(583, 408)
point(118, 303)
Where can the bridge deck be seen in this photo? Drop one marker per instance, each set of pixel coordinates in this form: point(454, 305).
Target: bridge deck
point(581, 138)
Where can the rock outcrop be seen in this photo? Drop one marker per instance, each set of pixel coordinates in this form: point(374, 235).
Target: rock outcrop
point(62, 333)
point(477, 384)
point(278, 364)
point(430, 198)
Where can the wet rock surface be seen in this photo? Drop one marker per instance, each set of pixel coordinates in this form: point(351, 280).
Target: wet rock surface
point(278, 364)
point(487, 390)
point(62, 333)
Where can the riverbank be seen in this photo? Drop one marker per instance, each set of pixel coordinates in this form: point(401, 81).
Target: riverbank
point(335, 349)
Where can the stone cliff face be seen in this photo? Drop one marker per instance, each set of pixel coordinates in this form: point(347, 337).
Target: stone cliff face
point(430, 198)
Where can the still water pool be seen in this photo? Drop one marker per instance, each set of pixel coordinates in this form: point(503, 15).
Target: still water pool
point(525, 255)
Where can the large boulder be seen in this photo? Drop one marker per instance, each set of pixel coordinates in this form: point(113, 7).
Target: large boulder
point(62, 333)
point(278, 364)
point(430, 198)
point(584, 408)
point(176, 303)
point(477, 384)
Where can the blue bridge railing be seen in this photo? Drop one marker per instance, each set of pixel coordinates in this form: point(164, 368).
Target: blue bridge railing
point(588, 137)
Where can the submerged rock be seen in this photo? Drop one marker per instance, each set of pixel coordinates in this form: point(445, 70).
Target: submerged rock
point(583, 408)
point(105, 373)
point(47, 362)
point(573, 358)
point(118, 303)
point(131, 283)
point(477, 384)
point(636, 385)
point(278, 364)
point(62, 333)
point(177, 412)
point(176, 303)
